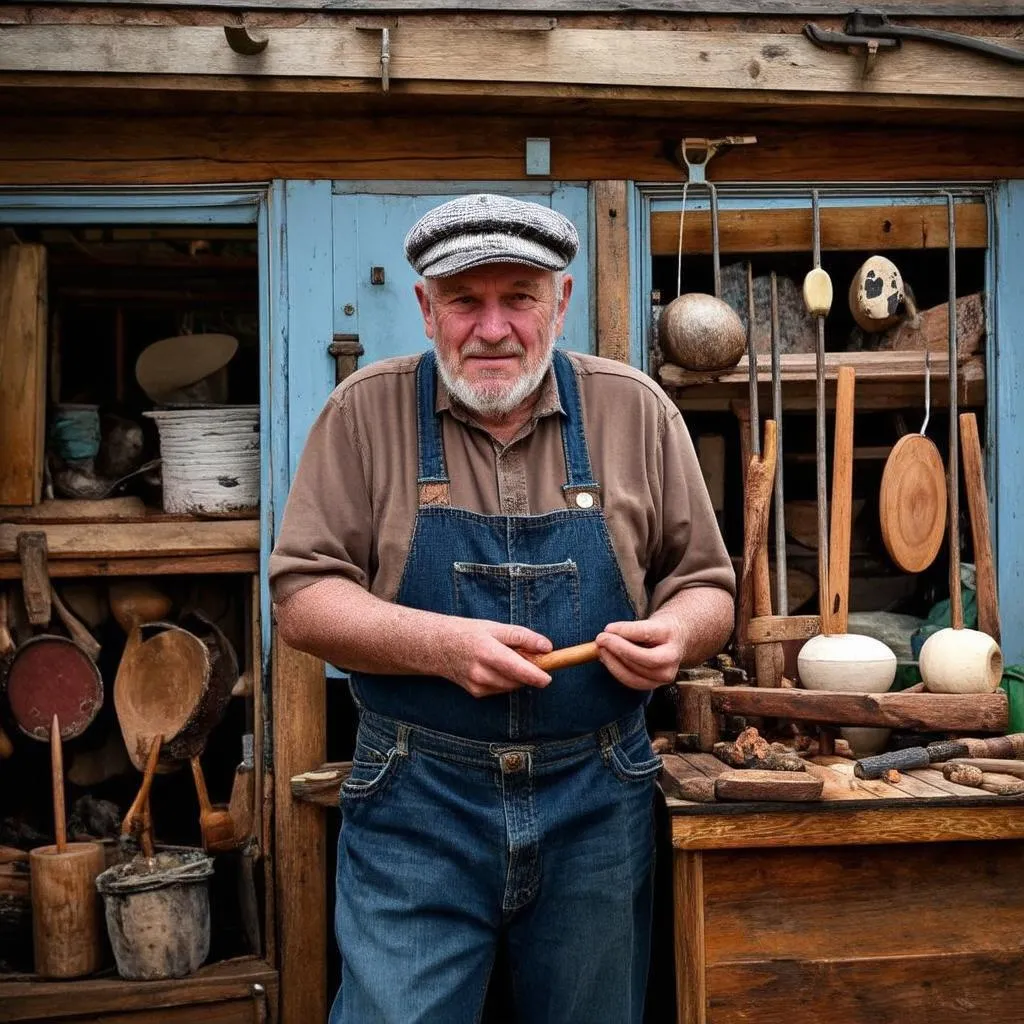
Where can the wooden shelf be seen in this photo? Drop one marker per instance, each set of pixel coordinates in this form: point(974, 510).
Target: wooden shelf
point(150, 546)
point(201, 996)
point(885, 380)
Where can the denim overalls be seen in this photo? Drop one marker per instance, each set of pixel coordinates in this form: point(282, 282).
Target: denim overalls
point(528, 814)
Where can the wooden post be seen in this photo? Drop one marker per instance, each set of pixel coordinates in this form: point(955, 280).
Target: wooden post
point(612, 258)
point(688, 894)
point(300, 743)
point(695, 714)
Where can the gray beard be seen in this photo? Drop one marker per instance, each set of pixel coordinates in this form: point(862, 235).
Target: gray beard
point(478, 400)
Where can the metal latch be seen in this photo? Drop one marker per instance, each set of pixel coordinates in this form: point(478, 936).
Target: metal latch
point(346, 350)
point(874, 32)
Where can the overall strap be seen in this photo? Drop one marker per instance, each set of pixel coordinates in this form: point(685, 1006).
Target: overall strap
point(432, 474)
point(579, 476)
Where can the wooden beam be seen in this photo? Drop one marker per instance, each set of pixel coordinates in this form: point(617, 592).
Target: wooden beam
point(299, 744)
point(890, 367)
point(929, 712)
point(837, 8)
point(618, 57)
point(612, 257)
point(770, 629)
point(904, 821)
point(688, 897)
point(68, 568)
point(124, 540)
point(871, 228)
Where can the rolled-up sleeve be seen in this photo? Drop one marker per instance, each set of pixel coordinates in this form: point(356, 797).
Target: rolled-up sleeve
point(689, 551)
point(327, 524)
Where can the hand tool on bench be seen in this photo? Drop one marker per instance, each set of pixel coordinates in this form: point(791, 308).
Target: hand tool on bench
point(957, 660)
point(66, 933)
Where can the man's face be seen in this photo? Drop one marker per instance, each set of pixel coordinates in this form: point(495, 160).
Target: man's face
point(494, 328)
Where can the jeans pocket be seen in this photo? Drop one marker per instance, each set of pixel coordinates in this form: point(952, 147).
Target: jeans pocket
point(370, 777)
point(633, 759)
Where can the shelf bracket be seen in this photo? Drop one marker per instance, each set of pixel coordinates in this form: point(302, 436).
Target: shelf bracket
point(242, 42)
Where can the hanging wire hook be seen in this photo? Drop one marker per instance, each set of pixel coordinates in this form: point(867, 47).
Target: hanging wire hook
point(927, 389)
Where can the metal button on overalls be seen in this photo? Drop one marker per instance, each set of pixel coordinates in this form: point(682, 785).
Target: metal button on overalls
point(512, 761)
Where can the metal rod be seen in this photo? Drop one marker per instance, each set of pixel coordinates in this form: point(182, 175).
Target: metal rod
point(819, 409)
point(953, 480)
point(716, 255)
point(781, 583)
point(755, 414)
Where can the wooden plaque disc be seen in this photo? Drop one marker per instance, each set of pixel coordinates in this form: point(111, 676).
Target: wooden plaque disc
point(912, 503)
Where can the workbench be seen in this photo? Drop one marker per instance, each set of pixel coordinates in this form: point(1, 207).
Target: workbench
point(877, 903)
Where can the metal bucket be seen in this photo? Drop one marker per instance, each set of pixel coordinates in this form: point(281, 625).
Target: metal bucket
point(211, 458)
point(158, 914)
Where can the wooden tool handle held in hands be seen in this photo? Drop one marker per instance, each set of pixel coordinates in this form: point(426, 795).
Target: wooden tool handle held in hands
point(565, 657)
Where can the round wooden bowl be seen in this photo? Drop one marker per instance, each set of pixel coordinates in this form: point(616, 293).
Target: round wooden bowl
point(846, 663)
point(912, 503)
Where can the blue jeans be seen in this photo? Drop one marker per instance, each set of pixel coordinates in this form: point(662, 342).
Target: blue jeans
point(448, 844)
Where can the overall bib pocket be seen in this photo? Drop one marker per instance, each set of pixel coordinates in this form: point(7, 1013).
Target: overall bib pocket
point(545, 598)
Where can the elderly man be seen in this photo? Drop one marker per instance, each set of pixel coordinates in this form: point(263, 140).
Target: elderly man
point(453, 514)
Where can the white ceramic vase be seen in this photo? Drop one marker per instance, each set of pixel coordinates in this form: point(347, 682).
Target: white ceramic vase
point(960, 661)
point(846, 663)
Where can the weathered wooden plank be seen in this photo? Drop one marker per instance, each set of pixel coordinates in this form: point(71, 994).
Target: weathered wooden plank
point(901, 821)
point(799, 367)
point(230, 980)
point(611, 252)
point(173, 148)
point(870, 228)
point(844, 767)
point(120, 540)
point(836, 786)
point(767, 629)
point(688, 892)
point(935, 778)
point(66, 568)
point(935, 8)
point(300, 741)
point(23, 326)
point(872, 990)
point(797, 904)
point(702, 60)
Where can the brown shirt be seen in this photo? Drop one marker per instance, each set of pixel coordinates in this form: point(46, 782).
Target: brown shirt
point(353, 501)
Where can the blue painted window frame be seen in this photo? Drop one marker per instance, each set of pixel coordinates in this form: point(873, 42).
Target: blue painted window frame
point(186, 204)
point(1004, 312)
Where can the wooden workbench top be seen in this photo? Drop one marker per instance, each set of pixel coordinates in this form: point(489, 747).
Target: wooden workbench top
point(922, 807)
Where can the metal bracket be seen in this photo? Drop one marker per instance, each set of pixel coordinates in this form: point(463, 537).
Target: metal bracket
point(242, 42)
point(346, 350)
point(385, 59)
point(874, 31)
point(696, 153)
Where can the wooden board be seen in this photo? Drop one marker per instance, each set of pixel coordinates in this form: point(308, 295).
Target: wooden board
point(175, 147)
point(903, 989)
point(22, 372)
point(751, 784)
point(300, 740)
point(758, 62)
point(612, 256)
point(858, 903)
point(121, 540)
point(935, 712)
point(225, 982)
point(70, 568)
point(689, 932)
point(870, 228)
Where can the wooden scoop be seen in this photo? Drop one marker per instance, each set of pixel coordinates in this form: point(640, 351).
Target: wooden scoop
point(217, 825)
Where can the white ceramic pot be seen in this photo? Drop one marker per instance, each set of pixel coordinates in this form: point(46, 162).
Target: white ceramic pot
point(846, 663)
point(960, 661)
point(865, 741)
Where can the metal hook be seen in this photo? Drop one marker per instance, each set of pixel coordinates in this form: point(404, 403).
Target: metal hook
point(242, 42)
point(927, 389)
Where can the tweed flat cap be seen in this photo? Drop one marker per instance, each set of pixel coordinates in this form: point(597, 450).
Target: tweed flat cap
point(477, 229)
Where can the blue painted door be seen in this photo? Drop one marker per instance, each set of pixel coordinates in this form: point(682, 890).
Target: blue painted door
point(369, 229)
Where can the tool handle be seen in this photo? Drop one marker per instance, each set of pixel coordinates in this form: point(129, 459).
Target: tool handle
point(977, 506)
point(205, 807)
point(565, 657)
point(141, 801)
point(842, 504)
point(57, 771)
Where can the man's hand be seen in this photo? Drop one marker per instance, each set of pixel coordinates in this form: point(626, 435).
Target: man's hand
point(483, 657)
point(642, 655)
